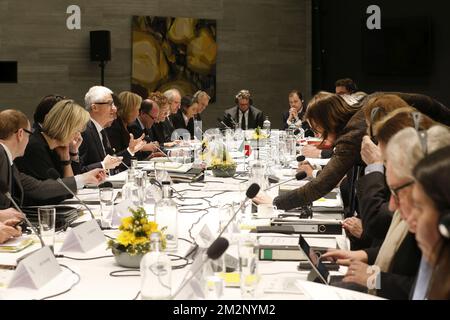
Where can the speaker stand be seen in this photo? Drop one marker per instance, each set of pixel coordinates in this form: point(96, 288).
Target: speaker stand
point(102, 72)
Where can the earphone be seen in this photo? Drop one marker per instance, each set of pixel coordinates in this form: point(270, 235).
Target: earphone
point(444, 224)
point(417, 117)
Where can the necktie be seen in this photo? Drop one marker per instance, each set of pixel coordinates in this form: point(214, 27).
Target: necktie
point(243, 127)
point(106, 143)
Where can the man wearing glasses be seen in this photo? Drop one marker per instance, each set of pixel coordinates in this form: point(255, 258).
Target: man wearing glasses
point(26, 190)
point(148, 114)
point(95, 151)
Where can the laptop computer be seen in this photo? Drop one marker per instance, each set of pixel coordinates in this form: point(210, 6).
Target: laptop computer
point(321, 272)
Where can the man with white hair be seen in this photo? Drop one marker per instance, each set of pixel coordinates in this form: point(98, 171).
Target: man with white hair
point(202, 100)
point(174, 97)
point(96, 151)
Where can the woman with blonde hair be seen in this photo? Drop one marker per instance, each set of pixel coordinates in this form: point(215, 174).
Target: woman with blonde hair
point(56, 145)
point(122, 141)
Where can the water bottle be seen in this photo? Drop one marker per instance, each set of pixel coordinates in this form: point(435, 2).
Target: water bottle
point(166, 216)
point(156, 270)
point(266, 126)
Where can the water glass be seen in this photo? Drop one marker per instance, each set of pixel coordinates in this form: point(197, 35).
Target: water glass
point(248, 265)
point(47, 218)
point(107, 206)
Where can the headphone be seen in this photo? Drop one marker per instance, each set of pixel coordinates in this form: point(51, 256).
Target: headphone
point(444, 224)
point(243, 94)
point(417, 117)
point(375, 111)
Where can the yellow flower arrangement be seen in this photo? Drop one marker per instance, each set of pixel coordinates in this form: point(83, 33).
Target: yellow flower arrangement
point(135, 234)
point(258, 135)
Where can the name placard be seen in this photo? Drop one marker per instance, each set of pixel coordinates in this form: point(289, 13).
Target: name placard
point(84, 237)
point(36, 270)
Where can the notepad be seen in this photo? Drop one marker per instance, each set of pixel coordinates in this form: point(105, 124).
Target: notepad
point(16, 244)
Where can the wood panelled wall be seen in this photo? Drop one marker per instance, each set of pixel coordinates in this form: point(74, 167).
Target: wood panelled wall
point(263, 46)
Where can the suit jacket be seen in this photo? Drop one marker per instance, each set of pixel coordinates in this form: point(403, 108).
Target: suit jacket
point(91, 149)
point(162, 131)
point(38, 148)
point(300, 115)
point(347, 150)
point(137, 131)
point(30, 191)
point(178, 122)
point(119, 138)
point(398, 282)
point(255, 116)
point(373, 195)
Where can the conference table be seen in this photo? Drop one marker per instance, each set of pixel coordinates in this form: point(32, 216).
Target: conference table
point(95, 274)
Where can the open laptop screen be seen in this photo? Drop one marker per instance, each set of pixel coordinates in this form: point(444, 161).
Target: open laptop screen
point(314, 260)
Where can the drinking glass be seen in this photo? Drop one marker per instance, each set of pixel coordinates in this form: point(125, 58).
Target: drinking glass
point(248, 265)
point(107, 206)
point(47, 217)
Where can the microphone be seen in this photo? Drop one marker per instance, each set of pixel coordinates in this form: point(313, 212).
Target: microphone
point(4, 190)
point(252, 191)
point(299, 176)
point(214, 252)
point(157, 183)
point(230, 118)
point(105, 184)
point(52, 173)
point(301, 158)
point(223, 123)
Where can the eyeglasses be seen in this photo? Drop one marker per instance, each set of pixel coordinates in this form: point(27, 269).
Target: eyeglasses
point(109, 103)
point(395, 191)
point(26, 130)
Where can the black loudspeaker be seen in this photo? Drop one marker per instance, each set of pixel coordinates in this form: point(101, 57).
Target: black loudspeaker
point(100, 45)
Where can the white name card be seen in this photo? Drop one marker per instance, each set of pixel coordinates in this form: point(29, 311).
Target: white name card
point(84, 237)
point(36, 270)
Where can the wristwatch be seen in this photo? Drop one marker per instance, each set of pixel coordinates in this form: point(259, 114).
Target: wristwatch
point(66, 162)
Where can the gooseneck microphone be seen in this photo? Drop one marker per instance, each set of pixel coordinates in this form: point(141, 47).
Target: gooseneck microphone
point(214, 252)
point(299, 176)
point(300, 158)
point(4, 190)
point(52, 173)
point(223, 123)
point(105, 184)
point(229, 118)
point(252, 191)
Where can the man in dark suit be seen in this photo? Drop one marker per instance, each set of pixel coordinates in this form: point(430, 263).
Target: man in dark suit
point(26, 190)
point(144, 122)
point(296, 113)
point(96, 151)
point(244, 115)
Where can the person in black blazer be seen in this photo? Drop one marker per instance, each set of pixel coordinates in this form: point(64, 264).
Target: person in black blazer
point(144, 122)
point(296, 113)
point(122, 141)
point(44, 107)
point(96, 150)
point(56, 145)
point(244, 115)
point(184, 118)
point(26, 190)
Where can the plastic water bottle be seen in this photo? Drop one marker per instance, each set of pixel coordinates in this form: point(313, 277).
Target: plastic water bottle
point(166, 216)
point(156, 272)
point(266, 126)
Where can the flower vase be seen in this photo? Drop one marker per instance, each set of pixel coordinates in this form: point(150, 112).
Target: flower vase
point(126, 260)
